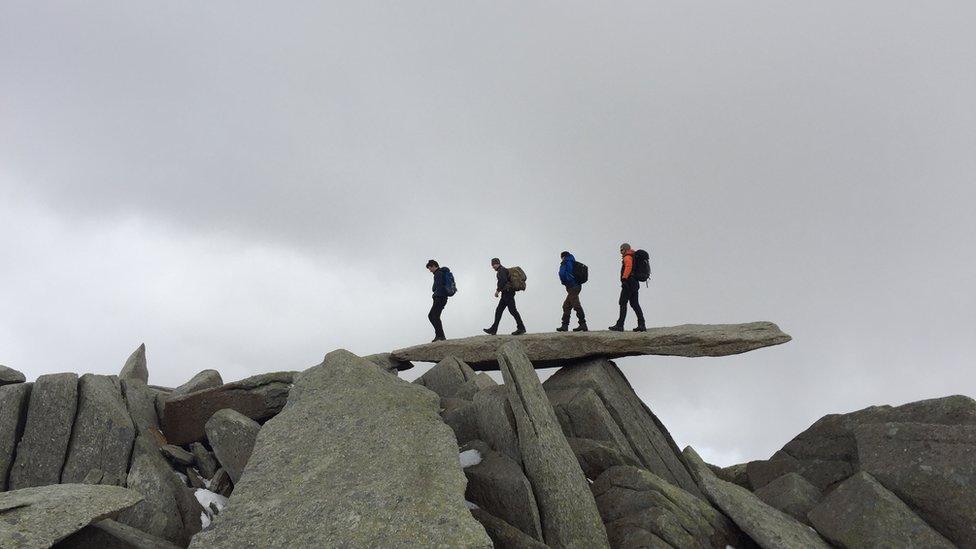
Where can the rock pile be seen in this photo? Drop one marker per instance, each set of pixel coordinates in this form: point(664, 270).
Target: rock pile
point(346, 454)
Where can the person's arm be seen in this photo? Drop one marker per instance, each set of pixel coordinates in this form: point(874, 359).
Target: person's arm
point(502, 279)
point(628, 267)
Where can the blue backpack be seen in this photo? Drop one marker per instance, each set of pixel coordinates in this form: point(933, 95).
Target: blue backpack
point(449, 285)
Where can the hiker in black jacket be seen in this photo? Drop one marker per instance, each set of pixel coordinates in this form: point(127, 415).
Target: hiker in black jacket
point(442, 282)
point(507, 300)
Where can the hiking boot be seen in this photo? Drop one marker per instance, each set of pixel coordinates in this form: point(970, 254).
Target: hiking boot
point(518, 332)
point(563, 328)
point(491, 331)
point(616, 328)
point(581, 328)
point(438, 338)
point(640, 328)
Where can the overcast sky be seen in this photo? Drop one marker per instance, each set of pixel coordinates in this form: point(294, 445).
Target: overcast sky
point(247, 186)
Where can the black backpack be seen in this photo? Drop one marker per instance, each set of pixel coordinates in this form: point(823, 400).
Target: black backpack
point(642, 266)
point(580, 272)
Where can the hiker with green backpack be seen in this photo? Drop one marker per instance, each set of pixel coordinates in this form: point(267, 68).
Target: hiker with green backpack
point(509, 281)
point(635, 268)
point(573, 275)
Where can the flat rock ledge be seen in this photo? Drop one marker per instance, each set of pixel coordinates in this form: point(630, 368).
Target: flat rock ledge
point(549, 350)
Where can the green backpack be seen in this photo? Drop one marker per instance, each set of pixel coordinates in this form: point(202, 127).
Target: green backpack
point(516, 279)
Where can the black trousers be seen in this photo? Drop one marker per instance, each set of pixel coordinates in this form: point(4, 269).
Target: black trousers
point(572, 303)
point(628, 295)
point(435, 315)
point(507, 301)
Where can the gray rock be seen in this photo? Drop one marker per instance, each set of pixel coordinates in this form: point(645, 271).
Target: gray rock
point(861, 514)
point(503, 535)
point(151, 476)
point(769, 527)
point(135, 366)
point(190, 512)
point(446, 377)
point(582, 414)
point(930, 467)
point(194, 478)
point(206, 379)
point(736, 474)
point(547, 350)
point(499, 486)
point(496, 421)
point(569, 514)
point(42, 516)
point(232, 435)
point(140, 401)
point(641, 509)
point(649, 440)
point(376, 467)
point(221, 483)
point(596, 456)
point(258, 397)
point(472, 386)
point(94, 476)
point(177, 455)
point(463, 420)
point(103, 432)
point(47, 432)
point(791, 494)
point(9, 376)
point(13, 416)
point(109, 534)
point(762, 472)
point(385, 361)
point(204, 460)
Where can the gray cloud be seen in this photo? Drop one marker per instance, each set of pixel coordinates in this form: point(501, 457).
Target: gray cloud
point(246, 187)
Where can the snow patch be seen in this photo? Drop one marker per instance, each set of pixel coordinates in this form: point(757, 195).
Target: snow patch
point(470, 505)
point(206, 497)
point(205, 520)
point(469, 458)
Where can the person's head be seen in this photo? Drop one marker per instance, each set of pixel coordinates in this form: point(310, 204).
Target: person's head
point(432, 265)
point(624, 248)
point(564, 255)
point(495, 263)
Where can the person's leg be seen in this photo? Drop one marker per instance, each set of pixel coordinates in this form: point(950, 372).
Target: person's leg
point(624, 297)
point(567, 310)
point(435, 316)
point(635, 304)
point(515, 314)
point(577, 306)
point(498, 313)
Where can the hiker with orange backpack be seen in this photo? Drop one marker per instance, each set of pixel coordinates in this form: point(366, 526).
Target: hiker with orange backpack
point(635, 268)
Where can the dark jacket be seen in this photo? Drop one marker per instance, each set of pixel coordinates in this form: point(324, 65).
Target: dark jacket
point(566, 272)
point(502, 275)
point(440, 287)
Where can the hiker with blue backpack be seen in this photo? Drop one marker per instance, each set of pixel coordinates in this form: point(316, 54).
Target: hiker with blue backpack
point(635, 268)
point(573, 275)
point(444, 287)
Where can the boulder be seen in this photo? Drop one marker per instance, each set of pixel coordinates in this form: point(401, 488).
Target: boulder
point(861, 514)
point(596, 456)
point(376, 467)
point(498, 485)
point(42, 516)
point(140, 401)
point(259, 398)
point(446, 377)
point(736, 474)
point(103, 432)
point(767, 526)
point(151, 476)
point(206, 379)
point(641, 509)
point(582, 414)
point(472, 386)
point(761, 472)
point(547, 350)
point(47, 432)
point(221, 483)
point(503, 535)
point(177, 455)
point(566, 506)
point(463, 420)
point(232, 435)
point(9, 376)
point(930, 467)
point(646, 436)
point(385, 361)
point(13, 415)
point(791, 494)
point(135, 366)
point(496, 421)
point(203, 460)
point(109, 534)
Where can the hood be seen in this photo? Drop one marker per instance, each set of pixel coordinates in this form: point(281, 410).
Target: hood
point(569, 258)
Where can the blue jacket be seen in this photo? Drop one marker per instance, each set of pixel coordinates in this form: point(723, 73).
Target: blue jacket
point(440, 285)
point(566, 272)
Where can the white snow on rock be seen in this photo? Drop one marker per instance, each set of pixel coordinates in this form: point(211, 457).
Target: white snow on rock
point(471, 505)
point(205, 520)
point(205, 497)
point(469, 458)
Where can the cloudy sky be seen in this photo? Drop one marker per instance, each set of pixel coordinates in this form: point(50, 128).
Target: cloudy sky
point(246, 186)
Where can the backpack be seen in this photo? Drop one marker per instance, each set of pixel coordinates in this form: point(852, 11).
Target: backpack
point(581, 272)
point(449, 286)
point(516, 279)
point(642, 266)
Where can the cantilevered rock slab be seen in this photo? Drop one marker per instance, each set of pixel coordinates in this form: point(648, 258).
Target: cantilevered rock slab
point(548, 350)
point(357, 458)
point(42, 516)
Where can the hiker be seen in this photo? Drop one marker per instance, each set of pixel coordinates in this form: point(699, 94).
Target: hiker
point(507, 286)
point(444, 288)
point(572, 274)
point(629, 286)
